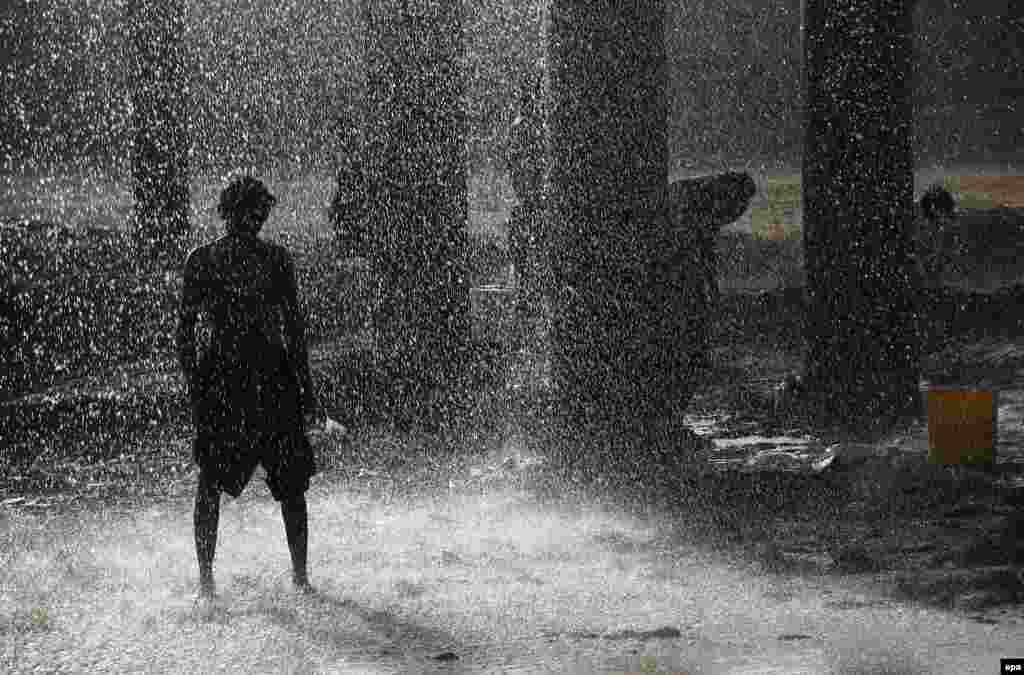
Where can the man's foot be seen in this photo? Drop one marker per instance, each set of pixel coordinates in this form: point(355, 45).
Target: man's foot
point(207, 589)
point(302, 585)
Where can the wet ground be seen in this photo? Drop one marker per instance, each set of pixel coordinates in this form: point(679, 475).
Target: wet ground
point(484, 554)
point(481, 577)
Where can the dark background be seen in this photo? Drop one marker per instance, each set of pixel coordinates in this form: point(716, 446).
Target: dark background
point(277, 81)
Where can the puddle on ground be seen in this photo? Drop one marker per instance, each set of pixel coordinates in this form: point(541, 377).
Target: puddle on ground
point(797, 452)
point(1010, 421)
point(706, 425)
point(755, 451)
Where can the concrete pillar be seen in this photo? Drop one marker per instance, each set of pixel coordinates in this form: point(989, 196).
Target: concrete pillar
point(160, 144)
point(863, 350)
point(416, 171)
point(613, 357)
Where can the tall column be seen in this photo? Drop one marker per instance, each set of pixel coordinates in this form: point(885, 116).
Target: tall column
point(160, 171)
point(863, 354)
point(416, 170)
point(613, 358)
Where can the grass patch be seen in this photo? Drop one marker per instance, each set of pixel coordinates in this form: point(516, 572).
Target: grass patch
point(779, 215)
point(986, 192)
point(779, 218)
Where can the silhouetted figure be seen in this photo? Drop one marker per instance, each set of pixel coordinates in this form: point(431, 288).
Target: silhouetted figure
point(937, 202)
point(242, 346)
point(347, 213)
point(935, 237)
point(700, 207)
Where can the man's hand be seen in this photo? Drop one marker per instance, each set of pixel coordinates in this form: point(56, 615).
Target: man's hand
point(313, 417)
point(191, 384)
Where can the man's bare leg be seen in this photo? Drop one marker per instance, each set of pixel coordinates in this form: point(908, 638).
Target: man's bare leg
point(206, 519)
point(296, 527)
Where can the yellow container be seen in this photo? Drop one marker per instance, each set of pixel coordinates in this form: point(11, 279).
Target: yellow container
point(962, 425)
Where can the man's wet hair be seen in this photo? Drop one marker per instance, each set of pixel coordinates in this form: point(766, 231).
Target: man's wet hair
point(242, 194)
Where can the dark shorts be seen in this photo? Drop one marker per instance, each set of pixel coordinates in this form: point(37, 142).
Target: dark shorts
point(288, 463)
point(249, 415)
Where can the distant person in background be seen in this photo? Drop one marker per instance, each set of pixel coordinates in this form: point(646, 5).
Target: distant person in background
point(935, 243)
point(527, 165)
point(349, 218)
point(347, 212)
point(242, 347)
point(702, 206)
